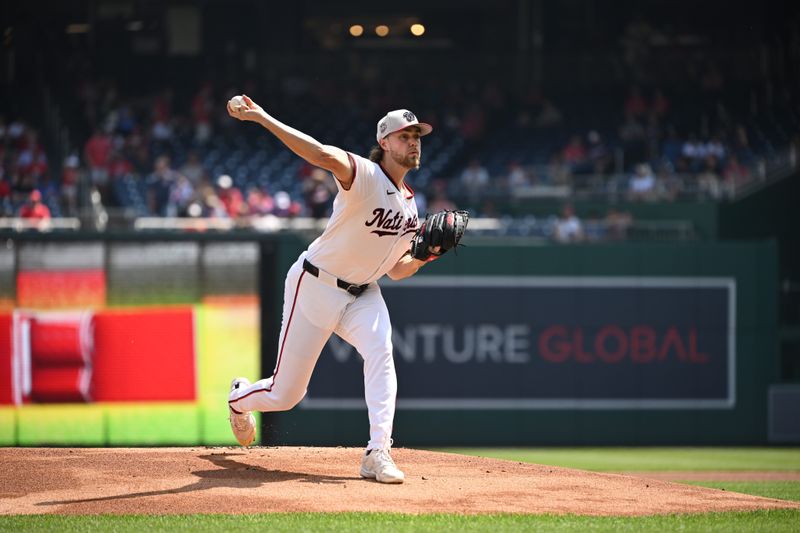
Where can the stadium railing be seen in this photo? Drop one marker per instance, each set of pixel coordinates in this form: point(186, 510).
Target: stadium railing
point(45, 225)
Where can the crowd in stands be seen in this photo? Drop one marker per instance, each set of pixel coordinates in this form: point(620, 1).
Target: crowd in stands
point(528, 148)
point(645, 159)
point(174, 152)
point(146, 154)
point(27, 189)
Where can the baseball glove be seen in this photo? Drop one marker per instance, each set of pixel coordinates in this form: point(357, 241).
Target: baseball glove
point(439, 233)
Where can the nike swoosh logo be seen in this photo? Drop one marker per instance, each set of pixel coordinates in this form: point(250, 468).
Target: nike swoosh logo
point(390, 192)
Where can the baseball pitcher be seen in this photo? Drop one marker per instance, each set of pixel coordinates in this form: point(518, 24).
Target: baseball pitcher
point(373, 231)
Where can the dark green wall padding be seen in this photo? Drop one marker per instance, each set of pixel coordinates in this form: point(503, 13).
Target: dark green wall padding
point(752, 264)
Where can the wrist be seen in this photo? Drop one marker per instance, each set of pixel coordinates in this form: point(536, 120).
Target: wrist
point(263, 118)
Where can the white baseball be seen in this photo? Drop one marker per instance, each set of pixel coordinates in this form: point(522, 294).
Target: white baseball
point(237, 102)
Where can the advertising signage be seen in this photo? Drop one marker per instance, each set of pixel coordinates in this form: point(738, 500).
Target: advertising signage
point(486, 342)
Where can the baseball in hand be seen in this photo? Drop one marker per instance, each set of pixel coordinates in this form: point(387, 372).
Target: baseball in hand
point(237, 103)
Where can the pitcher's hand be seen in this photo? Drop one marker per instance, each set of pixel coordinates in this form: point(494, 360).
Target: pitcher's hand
point(248, 111)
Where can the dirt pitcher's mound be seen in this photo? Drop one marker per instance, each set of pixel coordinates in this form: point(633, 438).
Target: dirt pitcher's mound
point(258, 480)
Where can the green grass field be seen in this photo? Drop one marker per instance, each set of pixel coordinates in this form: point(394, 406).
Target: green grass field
point(648, 459)
point(782, 490)
point(761, 521)
point(600, 459)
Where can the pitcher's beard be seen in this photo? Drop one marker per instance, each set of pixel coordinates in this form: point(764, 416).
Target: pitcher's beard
point(406, 161)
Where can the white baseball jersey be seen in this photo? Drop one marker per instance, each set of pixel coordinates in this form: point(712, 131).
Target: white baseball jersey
point(370, 229)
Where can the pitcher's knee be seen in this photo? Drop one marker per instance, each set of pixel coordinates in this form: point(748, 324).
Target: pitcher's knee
point(288, 400)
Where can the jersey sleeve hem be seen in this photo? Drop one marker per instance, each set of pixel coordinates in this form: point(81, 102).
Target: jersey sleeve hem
point(353, 164)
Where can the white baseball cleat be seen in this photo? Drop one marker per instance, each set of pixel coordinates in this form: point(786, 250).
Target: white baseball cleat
point(377, 464)
point(242, 424)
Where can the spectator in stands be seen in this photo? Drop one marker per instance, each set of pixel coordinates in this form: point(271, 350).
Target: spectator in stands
point(285, 206)
point(671, 146)
point(15, 131)
point(161, 111)
point(139, 156)
point(632, 134)
point(439, 200)
point(162, 129)
point(207, 205)
point(69, 184)
point(6, 206)
point(683, 167)
point(617, 224)
point(31, 159)
point(594, 227)
point(474, 178)
point(231, 197)
point(259, 203)
point(50, 191)
point(202, 109)
point(194, 170)
point(734, 175)
point(574, 154)
point(568, 228)
point(741, 145)
point(118, 165)
point(97, 151)
point(126, 121)
point(159, 184)
point(668, 183)
point(161, 133)
point(34, 208)
point(518, 178)
point(558, 173)
point(181, 195)
point(643, 183)
point(318, 191)
point(714, 147)
point(21, 184)
point(708, 181)
point(694, 151)
point(598, 154)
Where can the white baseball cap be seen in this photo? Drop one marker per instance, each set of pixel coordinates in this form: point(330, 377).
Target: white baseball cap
point(400, 119)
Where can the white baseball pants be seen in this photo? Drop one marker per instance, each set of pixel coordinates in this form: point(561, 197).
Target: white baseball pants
point(312, 310)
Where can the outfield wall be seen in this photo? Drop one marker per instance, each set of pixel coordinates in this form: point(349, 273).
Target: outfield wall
point(125, 340)
point(504, 344)
point(603, 344)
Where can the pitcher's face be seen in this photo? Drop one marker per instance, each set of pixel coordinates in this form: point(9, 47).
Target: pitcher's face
point(404, 147)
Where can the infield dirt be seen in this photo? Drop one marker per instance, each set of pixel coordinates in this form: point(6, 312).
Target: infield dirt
point(270, 479)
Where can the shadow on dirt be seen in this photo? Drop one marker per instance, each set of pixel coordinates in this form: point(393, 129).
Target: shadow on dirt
point(230, 473)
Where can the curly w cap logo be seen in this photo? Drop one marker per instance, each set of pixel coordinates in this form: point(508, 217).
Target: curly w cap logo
point(383, 127)
point(409, 116)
